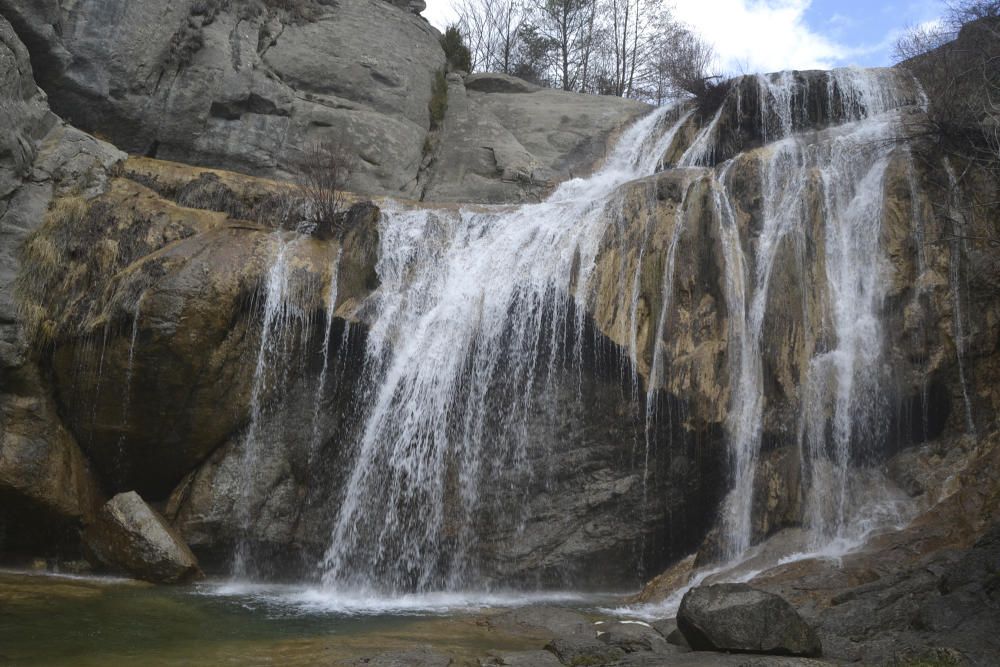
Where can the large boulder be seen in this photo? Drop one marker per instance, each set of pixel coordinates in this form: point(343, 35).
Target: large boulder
point(131, 537)
point(738, 618)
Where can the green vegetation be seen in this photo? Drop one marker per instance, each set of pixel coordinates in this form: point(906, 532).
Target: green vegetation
point(438, 105)
point(940, 657)
point(458, 54)
point(72, 255)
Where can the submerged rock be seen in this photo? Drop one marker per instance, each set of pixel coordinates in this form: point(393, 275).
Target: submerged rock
point(632, 636)
point(543, 621)
point(130, 536)
point(416, 657)
point(735, 617)
point(583, 651)
point(520, 659)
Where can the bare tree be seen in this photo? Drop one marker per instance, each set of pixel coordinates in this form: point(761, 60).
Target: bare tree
point(630, 48)
point(325, 170)
point(493, 30)
point(917, 40)
point(676, 62)
point(626, 31)
point(565, 23)
point(961, 12)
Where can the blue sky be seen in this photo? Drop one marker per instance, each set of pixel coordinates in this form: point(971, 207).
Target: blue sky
point(769, 35)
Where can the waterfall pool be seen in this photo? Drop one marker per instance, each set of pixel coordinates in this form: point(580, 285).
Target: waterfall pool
point(57, 620)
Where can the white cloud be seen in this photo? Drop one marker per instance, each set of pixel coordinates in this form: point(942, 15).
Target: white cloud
point(760, 35)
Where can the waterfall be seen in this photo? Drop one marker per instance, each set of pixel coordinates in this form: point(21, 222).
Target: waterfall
point(331, 308)
point(272, 328)
point(476, 307)
point(285, 330)
point(842, 407)
point(127, 391)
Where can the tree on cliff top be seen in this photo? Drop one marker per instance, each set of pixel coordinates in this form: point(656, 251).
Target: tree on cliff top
point(629, 48)
point(456, 52)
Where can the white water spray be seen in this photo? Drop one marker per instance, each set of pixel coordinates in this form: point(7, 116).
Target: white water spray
point(475, 308)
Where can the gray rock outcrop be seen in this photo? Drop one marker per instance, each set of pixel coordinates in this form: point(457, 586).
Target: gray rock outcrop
point(243, 85)
point(129, 536)
point(47, 488)
point(737, 618)
point(633, 636)
point(505, 140)
point(251, 85)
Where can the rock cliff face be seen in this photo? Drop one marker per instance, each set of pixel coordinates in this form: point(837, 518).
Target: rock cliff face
point(174, 329)
point(46, 484)
point(505, 140)
point(250, 85)
point(242, 85)
point(683, 291)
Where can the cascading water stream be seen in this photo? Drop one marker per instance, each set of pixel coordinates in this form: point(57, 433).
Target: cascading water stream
point(822, 204)
point(474, 310)
point(129, 372)
point(481, 310)
point(841, 394)
point(331, 307)
point(785, 178)
point(656, 367)
point(275, 299)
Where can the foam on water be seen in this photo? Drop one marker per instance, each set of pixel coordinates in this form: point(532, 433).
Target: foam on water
point(322, 600)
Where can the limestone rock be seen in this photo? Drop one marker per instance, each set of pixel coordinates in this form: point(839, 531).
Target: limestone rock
point(505, 140)
point(735, 617)
point(130, 536)
point(227, 85)
point(176, 325)
point(47, 487)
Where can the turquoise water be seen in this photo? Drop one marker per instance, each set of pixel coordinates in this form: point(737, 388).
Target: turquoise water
point(57, 620)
